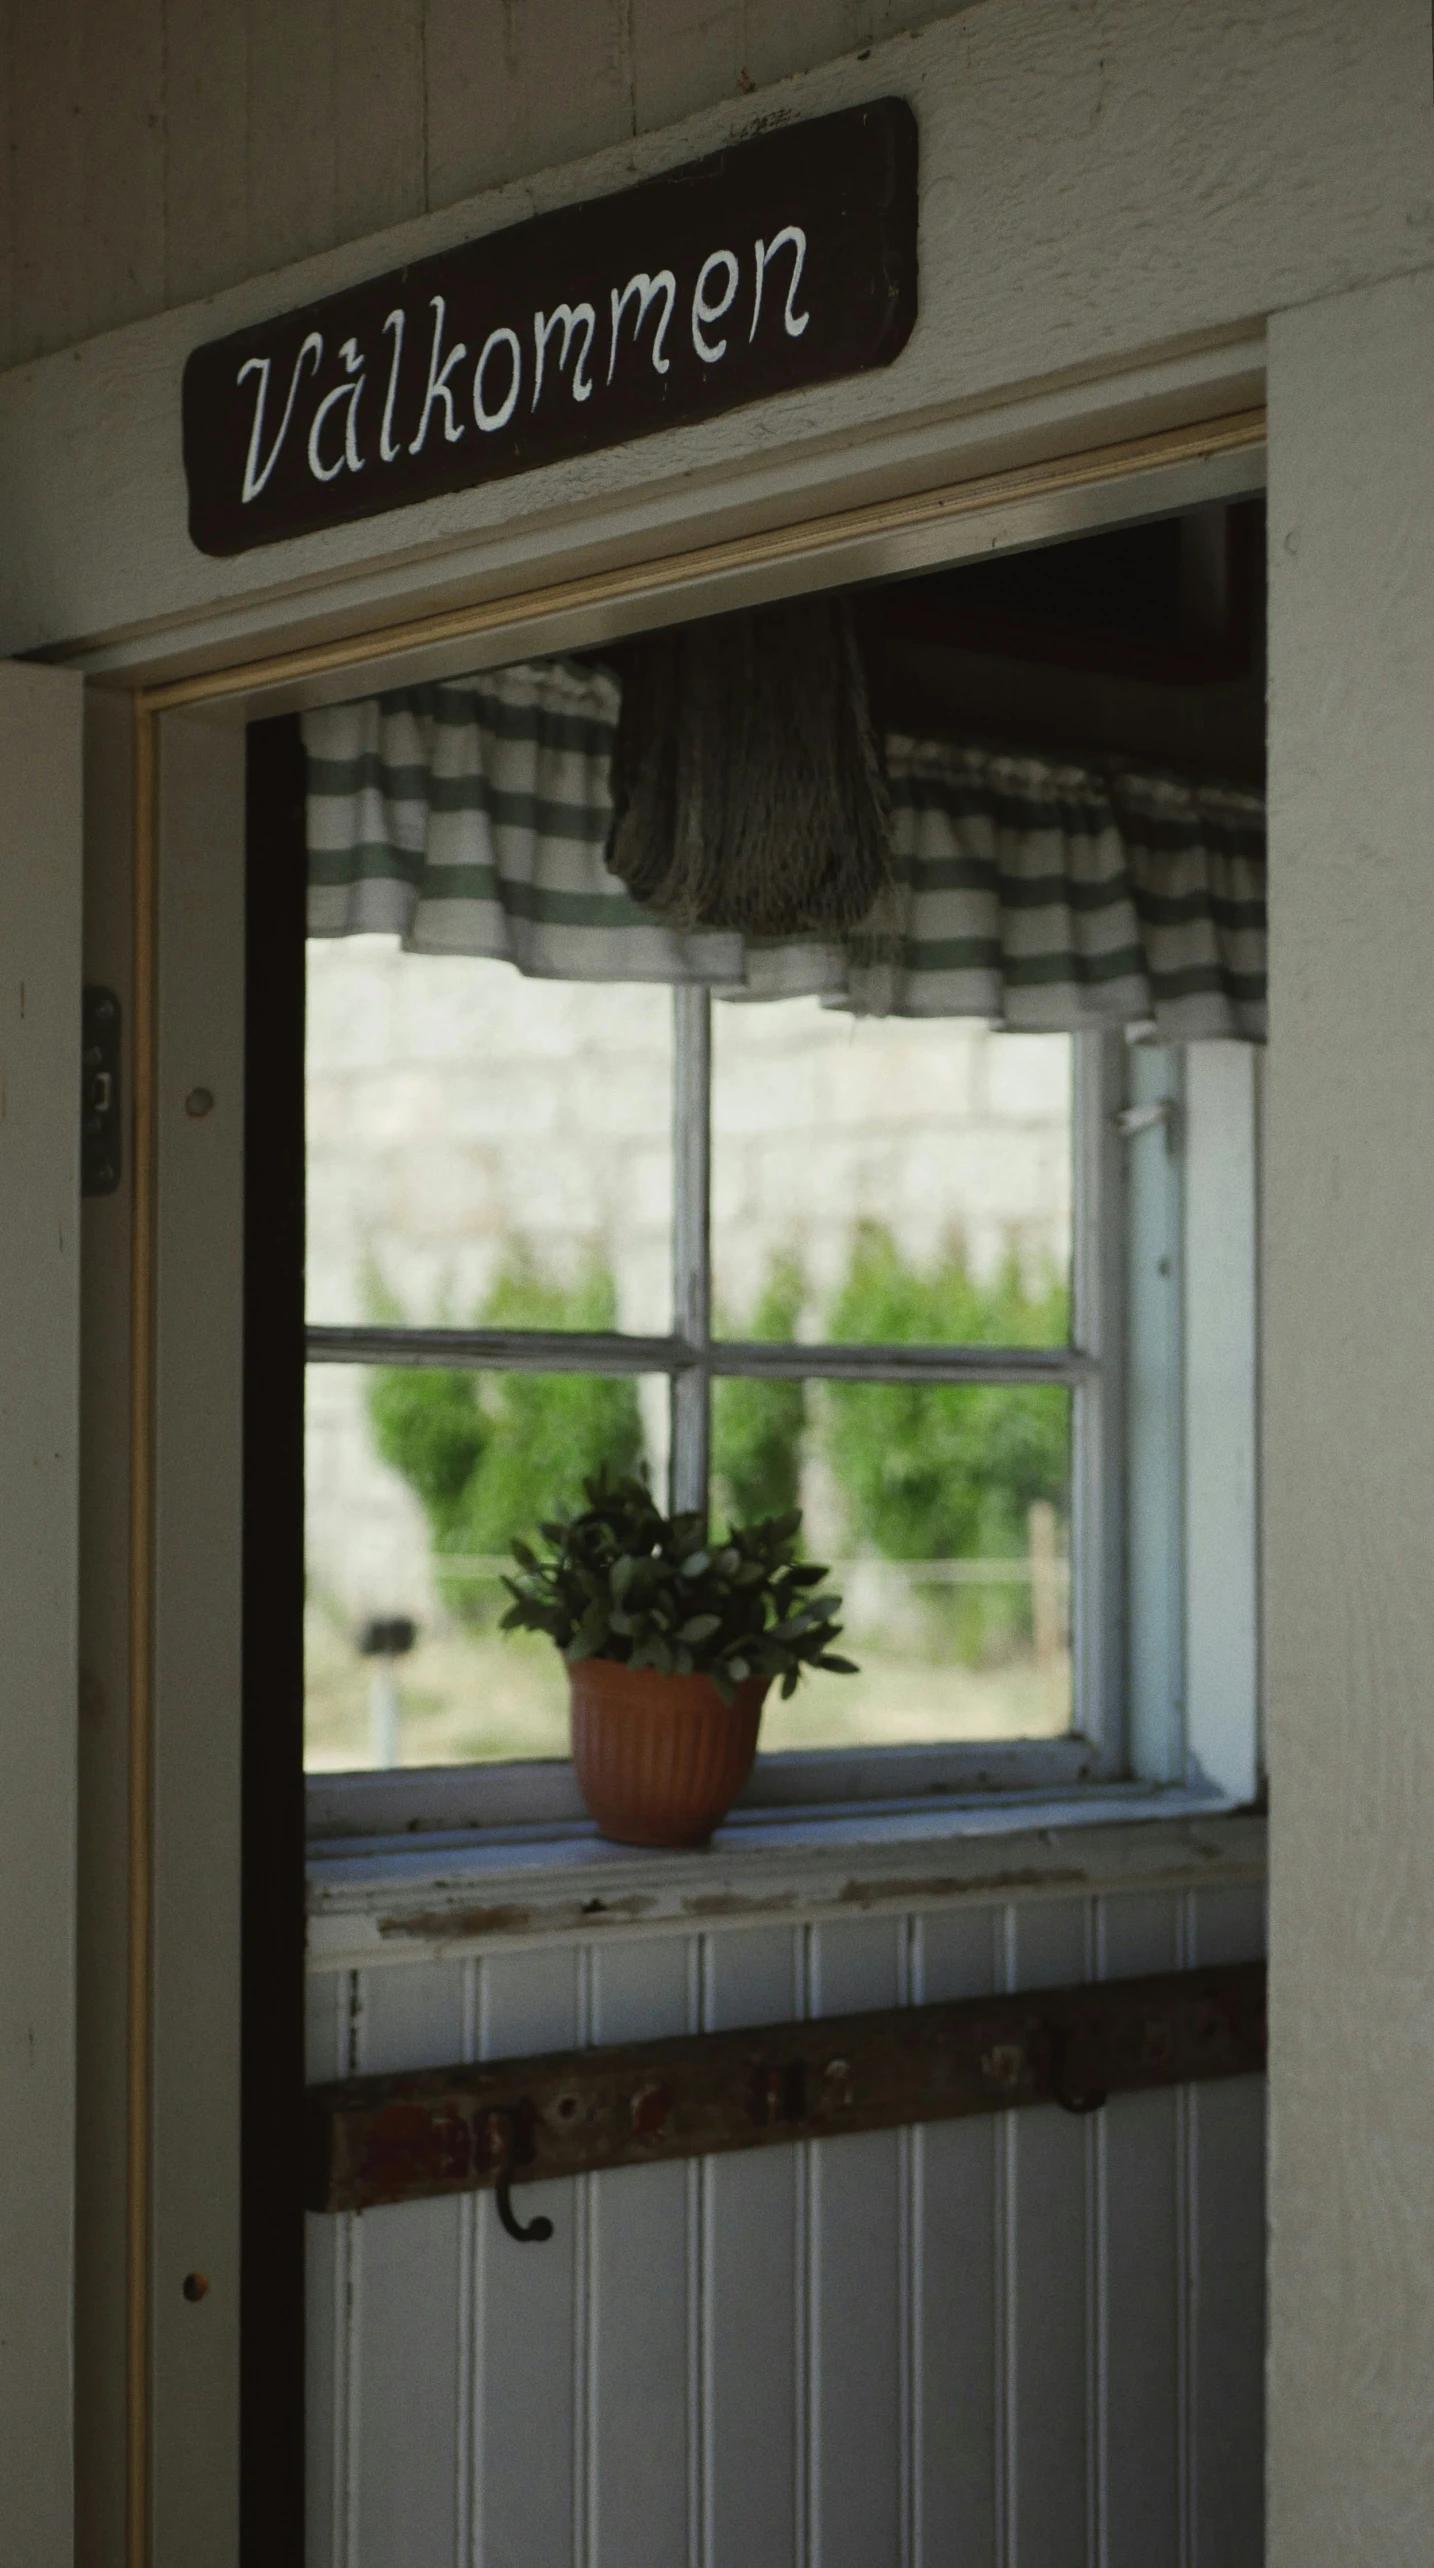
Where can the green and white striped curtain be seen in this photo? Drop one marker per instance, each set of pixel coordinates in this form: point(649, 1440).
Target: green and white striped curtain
point(1041, 894)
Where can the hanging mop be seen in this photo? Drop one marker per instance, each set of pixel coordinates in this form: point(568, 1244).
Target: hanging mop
point(747, 783)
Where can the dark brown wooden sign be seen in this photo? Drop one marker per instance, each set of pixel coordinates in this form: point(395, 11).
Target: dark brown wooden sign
point(784, 261)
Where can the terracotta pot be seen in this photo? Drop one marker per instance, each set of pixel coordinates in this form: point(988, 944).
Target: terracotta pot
point(660, 1759)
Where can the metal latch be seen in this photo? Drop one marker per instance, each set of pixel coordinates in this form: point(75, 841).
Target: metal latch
point(1133, 1119)
point(99, 1091)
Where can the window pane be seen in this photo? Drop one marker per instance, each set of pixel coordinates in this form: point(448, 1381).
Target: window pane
point(877, 1178)
point(483, 1148)
point(416, 1484)
point(945, 1514)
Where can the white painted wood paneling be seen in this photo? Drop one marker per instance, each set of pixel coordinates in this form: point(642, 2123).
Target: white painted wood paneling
point(407, 2378)
point(1030, 2339)
point(958, 2376)
point(1349, 1429)
point(166, 148)
point(857, 2283)
point(1025, 114)
point(1046, 2193)
point(642, 2320)
point(198, 1387)
point(100, 2174)
point(528, 2366)
point(40, 859)
point(1142, 2297)
point(754, 2337)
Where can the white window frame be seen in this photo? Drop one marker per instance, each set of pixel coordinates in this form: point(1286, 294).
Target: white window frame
point(1192, 1570)
point(1096, 1749)
point(1164, 1485)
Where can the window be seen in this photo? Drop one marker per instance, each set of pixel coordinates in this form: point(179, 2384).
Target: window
point(771, 1254)
point(981, 1301)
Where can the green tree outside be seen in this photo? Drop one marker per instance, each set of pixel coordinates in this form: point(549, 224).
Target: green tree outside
point(945, 1472)
point(489, 1455)
point(759, 1428)
point(948, 1471)
point(940, 1472)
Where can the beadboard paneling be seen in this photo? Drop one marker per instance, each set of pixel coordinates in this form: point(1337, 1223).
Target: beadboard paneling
point(1033, 2338)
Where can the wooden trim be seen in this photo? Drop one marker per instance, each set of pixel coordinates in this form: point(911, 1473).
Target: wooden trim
point(411, 1803)
point(141, 1650)
point(272, 1883)
point(44, 2225)
point(402, 1900)
point(1234, 434)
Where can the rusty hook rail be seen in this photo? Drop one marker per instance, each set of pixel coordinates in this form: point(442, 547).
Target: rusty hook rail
point(405, 2137)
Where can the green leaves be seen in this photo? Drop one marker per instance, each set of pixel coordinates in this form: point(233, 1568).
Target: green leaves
point(759, 1427)
point(622, 1581)
point(928, 1473)
point(489, 1454)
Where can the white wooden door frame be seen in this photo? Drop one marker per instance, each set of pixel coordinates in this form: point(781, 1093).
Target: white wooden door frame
point(40, 975)
point(1349, 1429)
point(185, 2427)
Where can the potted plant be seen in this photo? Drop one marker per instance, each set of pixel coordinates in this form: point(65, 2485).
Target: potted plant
point(672, 1638)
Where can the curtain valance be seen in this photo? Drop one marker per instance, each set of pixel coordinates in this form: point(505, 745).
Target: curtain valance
point(471, 817)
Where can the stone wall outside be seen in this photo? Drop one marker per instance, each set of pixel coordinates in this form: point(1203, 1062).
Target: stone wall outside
point(455, 1109)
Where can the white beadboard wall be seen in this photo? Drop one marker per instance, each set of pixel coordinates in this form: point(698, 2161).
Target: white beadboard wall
point(1020, 2342)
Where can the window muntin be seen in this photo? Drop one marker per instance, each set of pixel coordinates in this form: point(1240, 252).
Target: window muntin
point(476, 1305)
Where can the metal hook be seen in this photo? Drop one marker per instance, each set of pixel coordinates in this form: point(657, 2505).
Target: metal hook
point(1071, 2098)
point(1131, 1120)
point(503, 2131)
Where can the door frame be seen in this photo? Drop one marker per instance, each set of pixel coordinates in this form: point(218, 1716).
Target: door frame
point(185, 1933)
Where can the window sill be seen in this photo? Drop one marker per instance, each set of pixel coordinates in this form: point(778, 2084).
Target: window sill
point(445, 1802)
point(390, 1899)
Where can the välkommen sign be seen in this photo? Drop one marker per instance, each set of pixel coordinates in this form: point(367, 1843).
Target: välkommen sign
point(784, 261)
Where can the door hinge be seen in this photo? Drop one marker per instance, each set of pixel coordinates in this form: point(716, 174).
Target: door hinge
point(99, 1091)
